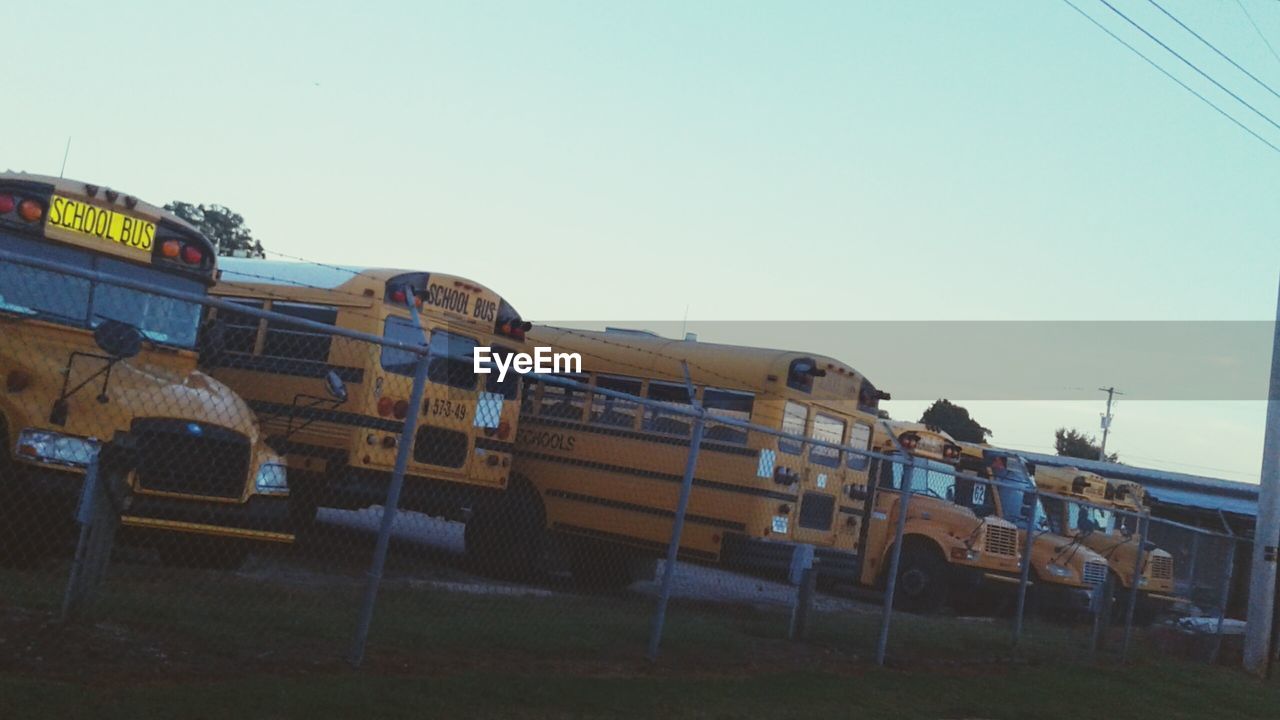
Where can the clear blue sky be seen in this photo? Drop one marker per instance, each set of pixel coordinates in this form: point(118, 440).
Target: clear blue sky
point(621, 162)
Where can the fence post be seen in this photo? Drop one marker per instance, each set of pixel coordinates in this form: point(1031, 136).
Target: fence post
point(1191, 565)
point(1222, 602)
point(1025, 576)
point(403, 451)
point(804, 576)
point(86, 511)
point(1101, 598)
point(677, 527)
point(891, 582)
point(1143, 521)
point(98, 514)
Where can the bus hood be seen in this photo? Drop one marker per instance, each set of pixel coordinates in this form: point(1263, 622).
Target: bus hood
point(146, 390)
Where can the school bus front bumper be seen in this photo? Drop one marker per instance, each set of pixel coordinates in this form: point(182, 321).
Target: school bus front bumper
point(263, 518)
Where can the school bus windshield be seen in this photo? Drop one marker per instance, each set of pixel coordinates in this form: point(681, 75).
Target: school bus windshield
point(1015, 503)
point(1076, 515)
point(29, 292)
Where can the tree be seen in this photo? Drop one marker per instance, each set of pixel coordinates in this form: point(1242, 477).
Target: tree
point(223, 226)
point(955, 421)
point(1073, 443)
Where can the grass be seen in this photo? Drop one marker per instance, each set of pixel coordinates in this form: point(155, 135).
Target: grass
point(1155, 691)
point(209, 645)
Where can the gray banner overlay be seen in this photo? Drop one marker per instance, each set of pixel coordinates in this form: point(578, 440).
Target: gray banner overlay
point(1014, 360)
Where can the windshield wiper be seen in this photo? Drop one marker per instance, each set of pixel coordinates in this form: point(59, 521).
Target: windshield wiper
point(17, 312)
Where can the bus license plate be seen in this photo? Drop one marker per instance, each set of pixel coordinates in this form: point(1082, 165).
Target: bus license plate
point(102, 223)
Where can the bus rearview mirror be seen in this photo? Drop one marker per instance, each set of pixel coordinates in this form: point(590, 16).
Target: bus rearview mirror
point(334, 385)
point(118, 339)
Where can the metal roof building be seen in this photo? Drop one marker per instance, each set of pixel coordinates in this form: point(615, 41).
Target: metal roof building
point(1187, 498)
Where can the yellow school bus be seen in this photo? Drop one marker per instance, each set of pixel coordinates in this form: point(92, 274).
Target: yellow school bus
point(87, 362)
point(1064, 570)
point(336, 407)
point(1111, 535)
point(954, 550)
point(607, 472)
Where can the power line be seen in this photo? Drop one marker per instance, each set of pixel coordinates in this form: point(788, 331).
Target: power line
point(1215, 49)
point(1191, 65)
point(1258, 30)
point(1169, 75)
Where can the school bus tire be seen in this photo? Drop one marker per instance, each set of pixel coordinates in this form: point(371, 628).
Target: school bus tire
point(923, 586)
point(602, 566)
point(1143, 612)
point(305, 494)
point(506, 536)
point(24, 539)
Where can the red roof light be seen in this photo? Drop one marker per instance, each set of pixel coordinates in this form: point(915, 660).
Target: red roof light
point(30, 210)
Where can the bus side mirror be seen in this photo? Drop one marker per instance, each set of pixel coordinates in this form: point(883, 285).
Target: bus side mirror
point(334, 385)
point(1086, 526)
point(118, 339)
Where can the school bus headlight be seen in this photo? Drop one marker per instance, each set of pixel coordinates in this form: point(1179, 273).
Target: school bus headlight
point(56, 448)
point(1056, 570)
point(964, 553)
point(272, 479)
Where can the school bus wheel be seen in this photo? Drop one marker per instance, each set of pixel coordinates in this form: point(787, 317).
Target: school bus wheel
point(31, 529)
point(922, 585)
point(506, 535)
point(597, 565)
point(306, 491)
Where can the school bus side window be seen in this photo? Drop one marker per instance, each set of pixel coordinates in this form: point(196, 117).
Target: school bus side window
point(612, 411)
point(661, 421)
point(860, 438)
point(562, 402)
point(794, 417)
point(239, 331)
point(729, 403)
point(292, 341)
point(450, 362)
point(828, 429)
point(528, 397)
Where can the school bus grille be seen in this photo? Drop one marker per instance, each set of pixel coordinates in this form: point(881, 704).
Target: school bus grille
point(1002, 540)
point(191, 458)
point(1095, 572)
point(1161, 568)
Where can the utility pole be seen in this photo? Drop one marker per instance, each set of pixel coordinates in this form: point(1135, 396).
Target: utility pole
point(1266, 535)
point(1106, 421)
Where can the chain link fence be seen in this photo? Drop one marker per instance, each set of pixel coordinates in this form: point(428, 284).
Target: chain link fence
point(266, 485)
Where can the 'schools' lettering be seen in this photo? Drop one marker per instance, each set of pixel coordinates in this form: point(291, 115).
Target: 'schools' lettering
point(543, 360)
